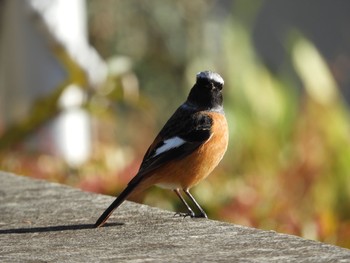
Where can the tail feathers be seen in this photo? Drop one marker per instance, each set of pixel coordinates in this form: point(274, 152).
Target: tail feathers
point(117, 202)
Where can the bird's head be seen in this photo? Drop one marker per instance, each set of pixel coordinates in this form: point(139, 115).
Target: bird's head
point(207, 91)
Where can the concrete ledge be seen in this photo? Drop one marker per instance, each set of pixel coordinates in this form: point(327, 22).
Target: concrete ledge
point(47, 222)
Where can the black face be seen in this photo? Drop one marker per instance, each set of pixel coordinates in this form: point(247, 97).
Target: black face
point(206, 93)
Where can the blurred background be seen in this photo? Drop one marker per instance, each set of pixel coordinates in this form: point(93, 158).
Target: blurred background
point(86, 85)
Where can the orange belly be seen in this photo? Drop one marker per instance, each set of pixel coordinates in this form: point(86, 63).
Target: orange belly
point(187, 172)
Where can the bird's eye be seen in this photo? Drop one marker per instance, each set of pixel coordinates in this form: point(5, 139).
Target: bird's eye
point(218, 85)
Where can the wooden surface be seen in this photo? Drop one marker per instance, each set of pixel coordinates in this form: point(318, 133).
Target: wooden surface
point(46, 222)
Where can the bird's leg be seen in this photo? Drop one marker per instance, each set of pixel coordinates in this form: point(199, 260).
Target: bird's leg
point(202, 214)
point(190, 211)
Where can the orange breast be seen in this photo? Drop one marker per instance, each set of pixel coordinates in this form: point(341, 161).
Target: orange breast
point(189, 171)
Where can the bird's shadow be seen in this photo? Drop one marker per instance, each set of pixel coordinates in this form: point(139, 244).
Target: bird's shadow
point(53, 228)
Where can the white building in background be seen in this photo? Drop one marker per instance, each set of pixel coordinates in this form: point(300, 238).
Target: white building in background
point(30, 69)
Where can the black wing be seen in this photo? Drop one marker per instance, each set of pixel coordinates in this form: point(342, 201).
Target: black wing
point(192, 127)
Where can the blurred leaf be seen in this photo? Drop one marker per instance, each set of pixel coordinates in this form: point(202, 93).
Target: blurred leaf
point(317, 78)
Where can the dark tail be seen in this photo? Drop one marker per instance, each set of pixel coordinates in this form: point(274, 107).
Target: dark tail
point(117, 202)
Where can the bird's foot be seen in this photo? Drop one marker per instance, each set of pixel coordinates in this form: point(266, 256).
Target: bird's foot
point(184, 215)
point(201, 215)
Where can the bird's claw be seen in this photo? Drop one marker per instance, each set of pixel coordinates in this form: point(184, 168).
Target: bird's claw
point(184, 215)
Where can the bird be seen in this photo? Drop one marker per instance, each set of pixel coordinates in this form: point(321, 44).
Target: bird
point(186, 150)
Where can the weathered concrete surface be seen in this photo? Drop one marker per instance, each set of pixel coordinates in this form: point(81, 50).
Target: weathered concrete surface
point(46, 222)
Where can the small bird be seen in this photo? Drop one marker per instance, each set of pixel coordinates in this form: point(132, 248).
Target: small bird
point(188, 147)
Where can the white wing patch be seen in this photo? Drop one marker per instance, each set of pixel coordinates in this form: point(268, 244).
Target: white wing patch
point(171, 143)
